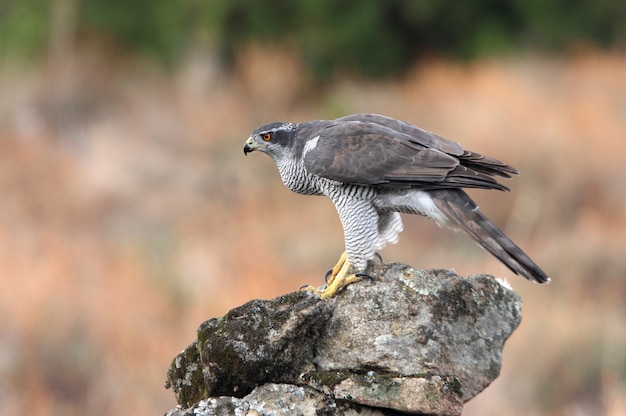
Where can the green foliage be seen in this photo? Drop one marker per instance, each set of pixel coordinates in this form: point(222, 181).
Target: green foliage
point(556, 23)
point(24, 26)
point(368, 37)
point(153, 27)
point(378, 38)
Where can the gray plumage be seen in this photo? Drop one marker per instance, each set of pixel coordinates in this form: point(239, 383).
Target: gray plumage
point(374, 167)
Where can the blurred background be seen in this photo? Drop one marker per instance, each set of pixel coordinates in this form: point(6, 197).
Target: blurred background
point(129, 215)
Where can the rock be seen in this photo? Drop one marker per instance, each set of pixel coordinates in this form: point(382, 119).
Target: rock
point(276, 400)
point(431, 395)
point(259, 342)
point(405, 340)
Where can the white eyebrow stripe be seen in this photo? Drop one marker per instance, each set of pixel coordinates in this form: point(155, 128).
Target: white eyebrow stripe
point(284, 127)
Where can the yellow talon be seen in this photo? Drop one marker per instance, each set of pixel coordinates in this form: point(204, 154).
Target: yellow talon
point(339, 278)
point(337, 268)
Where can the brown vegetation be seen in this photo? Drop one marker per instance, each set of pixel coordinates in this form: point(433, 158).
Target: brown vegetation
point(129, 215)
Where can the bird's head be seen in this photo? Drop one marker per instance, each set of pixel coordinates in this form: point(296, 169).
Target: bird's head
point(270, 138)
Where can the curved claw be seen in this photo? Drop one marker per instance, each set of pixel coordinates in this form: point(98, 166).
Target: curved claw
point(379, 257)
point(364, 275)
point(309, 288)
point(327, 275)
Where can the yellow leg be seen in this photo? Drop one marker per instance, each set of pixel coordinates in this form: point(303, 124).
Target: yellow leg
point(337, 268)
point(338, 279)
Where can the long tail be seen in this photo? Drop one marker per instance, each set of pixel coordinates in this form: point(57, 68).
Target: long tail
point(463, 212)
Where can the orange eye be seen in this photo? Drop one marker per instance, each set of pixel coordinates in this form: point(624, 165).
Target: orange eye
point(266, 136)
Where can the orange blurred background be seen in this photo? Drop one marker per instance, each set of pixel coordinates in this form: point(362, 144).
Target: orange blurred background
point(129, 215)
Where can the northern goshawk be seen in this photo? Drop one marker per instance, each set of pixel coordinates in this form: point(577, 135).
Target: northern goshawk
point(373, 168)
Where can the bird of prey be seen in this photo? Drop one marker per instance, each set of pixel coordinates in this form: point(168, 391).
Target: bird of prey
point(375, 167)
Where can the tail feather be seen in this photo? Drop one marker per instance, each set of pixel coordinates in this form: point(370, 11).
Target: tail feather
point(463, 212)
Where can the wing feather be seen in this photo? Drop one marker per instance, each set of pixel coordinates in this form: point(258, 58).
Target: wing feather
point(369, 149)
point(418, 136)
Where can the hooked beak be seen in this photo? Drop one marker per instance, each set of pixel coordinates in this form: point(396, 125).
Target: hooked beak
point(250, 146)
